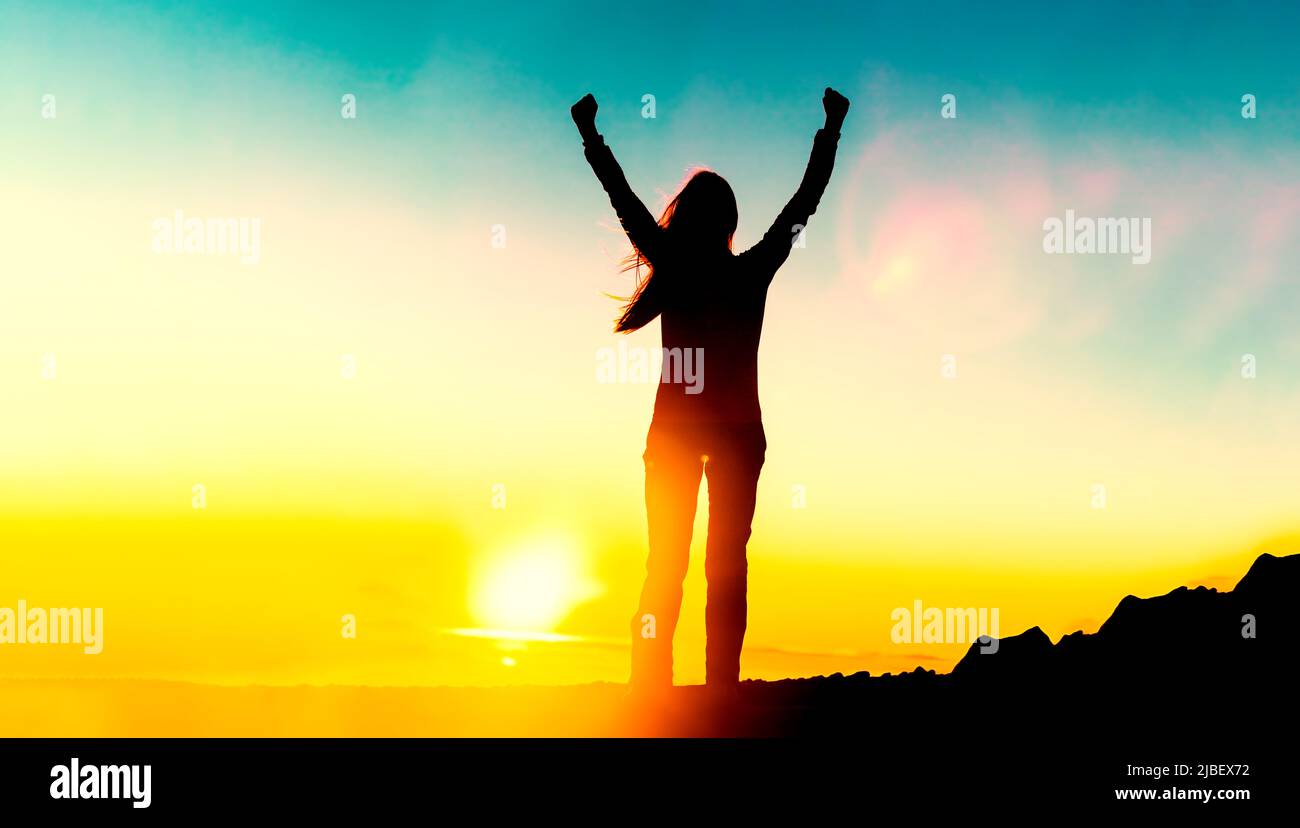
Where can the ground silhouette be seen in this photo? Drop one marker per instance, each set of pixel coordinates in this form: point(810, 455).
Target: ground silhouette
point(1177, 664)
point(1191, 659)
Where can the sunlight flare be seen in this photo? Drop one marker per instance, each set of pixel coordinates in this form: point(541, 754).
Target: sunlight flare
point(531, 587)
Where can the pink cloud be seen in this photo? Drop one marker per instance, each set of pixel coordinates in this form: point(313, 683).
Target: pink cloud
point(946, 244)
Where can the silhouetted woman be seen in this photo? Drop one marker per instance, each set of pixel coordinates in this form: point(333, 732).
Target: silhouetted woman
point(711, 304)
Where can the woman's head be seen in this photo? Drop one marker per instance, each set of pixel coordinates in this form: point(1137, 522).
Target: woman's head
point(699, 221)
point(703, 213)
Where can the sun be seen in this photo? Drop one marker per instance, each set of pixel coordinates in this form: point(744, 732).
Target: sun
point(531, 587)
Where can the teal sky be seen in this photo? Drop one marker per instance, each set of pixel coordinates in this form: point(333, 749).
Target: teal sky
point(464, 118)
point(1184, 54)
point(1179, 59)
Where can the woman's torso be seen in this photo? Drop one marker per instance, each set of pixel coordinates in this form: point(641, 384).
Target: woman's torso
point(711, 328)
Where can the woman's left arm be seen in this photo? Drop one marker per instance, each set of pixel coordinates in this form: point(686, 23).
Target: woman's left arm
point(774, 248)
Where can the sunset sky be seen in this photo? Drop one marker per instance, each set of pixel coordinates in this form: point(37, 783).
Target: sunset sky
point(353, 402)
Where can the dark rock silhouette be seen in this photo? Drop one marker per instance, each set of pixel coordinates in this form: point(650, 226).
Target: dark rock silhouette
point(1165, 679)
point(1193, 677)
point(1017, 655)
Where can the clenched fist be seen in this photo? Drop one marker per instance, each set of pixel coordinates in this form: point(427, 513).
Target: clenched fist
point(835, 104)
point(584, 114)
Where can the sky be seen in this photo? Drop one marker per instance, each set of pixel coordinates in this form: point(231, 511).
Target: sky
point(392, 415)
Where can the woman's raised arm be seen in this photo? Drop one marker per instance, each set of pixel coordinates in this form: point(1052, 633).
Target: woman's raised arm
point(774, 248)
point(639, 224)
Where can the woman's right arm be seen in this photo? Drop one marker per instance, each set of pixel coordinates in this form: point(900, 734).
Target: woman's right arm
point(638, 223)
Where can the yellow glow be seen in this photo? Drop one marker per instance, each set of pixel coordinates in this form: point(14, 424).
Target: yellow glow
point(897, 273)
point(505, 636)
point(531, 587)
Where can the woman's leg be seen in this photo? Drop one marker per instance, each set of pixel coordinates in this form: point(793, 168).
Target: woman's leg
point(672, 485)
point(734, 464)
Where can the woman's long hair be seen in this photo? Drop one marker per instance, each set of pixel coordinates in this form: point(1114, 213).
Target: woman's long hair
point(699, 222)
